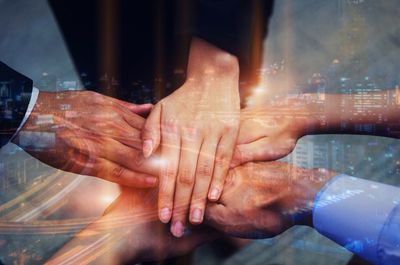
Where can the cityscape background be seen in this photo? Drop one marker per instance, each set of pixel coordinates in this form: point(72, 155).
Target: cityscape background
point(314, 46)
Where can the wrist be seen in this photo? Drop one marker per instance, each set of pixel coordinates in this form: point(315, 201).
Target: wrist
point(314, 120)
point(309, 184)
point(320, 177)
point(206, 59)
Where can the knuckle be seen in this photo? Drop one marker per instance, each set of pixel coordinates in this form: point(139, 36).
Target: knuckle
point(137, 158)
point(148, 128)
point(186, 177)
point(165, 198)
point(117, 172)
point(230, 179)
point(205, 170)
point(191, 133)
point(128, 135)
point(231, 127)
point(169, 172)
point(291, 143)
point(163, 104)
point(221, 160)
point(170, 128)
point(180, 210)
point(199, 200)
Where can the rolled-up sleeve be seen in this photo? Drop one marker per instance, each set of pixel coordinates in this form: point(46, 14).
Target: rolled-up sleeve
point(362, 216)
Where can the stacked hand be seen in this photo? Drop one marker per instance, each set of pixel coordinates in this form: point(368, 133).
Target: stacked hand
point(264, 199)
point(87, 133)
point(104, 141)
point(269, 133)
point(128, 232)
point(259, 200)
point(196, 128)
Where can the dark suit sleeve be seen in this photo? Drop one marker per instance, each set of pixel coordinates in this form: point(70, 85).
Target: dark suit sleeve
point(15, 93)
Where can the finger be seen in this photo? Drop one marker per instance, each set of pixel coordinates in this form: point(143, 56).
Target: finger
point(125, 156)
point(85, 158)
point(80, 150)
point(170, 153)
point(223, 159)
point(140, 109)
point(110, 149)
point(151, 132)
point(127, 134)
point(250, 130)
point(125, 127)
point(73, 161)
point(134, 120)
point(265, 149)
point(113, 172)
point(184, 185)
point(246, 153)
point(204, 171)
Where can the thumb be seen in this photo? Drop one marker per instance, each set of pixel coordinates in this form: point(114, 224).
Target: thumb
point(264, 149)
point(142, 109)
point(151, 132)
point(250, 130)
point(254, 151)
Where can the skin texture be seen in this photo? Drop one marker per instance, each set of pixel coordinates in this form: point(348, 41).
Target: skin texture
point(269, 133)
point(196, 127)
point(259, 201)
point(129, 231)
point(262, 200)
point(270, 130)
point(89, 134)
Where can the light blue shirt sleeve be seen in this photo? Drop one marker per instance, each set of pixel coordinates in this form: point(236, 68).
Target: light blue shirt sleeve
point(362, 216)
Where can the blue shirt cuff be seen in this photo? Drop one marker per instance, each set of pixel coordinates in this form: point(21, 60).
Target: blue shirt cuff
point(353, 212)
point(389, 241)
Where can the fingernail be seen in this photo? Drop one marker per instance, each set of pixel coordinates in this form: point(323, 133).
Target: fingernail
point(165, 215)
point(197, 216)
point(177, 229)
point(151, 180)
point(147, 148)
point(214, 194)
